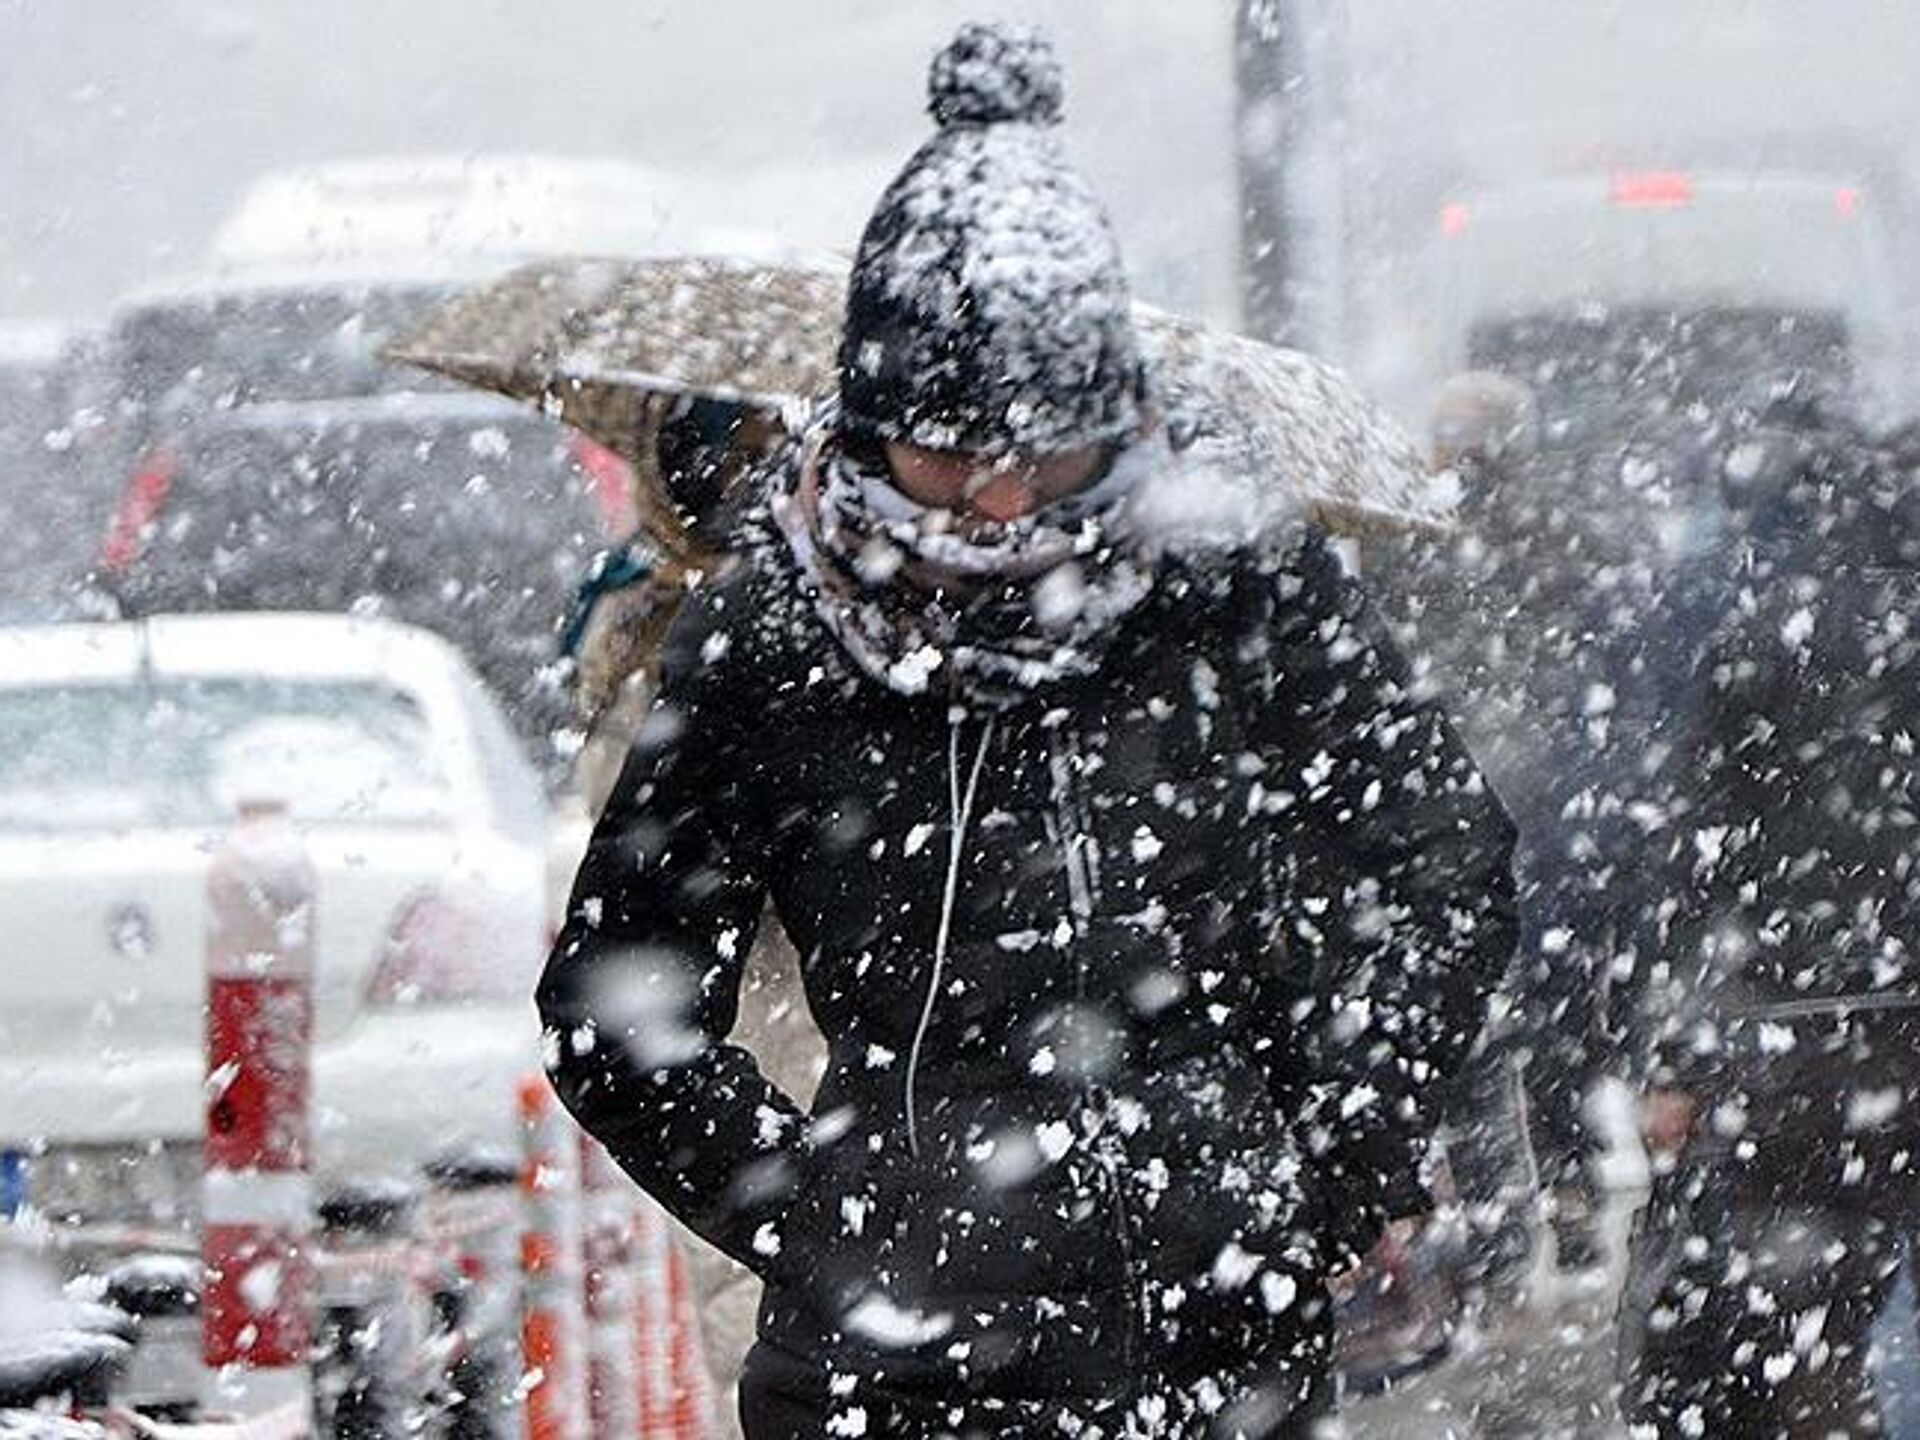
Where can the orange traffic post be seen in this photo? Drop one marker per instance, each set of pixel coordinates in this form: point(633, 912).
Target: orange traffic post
point(613, 1378)
point(676, 1398)
point(691, 1395)
point(553, 1338)
point(650, 1347)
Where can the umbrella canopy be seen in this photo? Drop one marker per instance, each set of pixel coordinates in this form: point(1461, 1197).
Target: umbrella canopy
point(595, 342)
point(1291, 432)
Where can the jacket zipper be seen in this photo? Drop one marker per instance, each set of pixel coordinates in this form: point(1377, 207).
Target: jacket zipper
point(1065, 830)
point(1071, 830)
point(1105, 1163)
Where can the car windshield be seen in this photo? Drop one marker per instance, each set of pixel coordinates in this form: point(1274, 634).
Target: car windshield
point(90, 756)
point(1596, 368)
point(1795, 247)
point(192, 353)
point(29, 405)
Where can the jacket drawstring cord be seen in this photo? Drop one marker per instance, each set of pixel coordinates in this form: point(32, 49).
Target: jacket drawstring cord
point(960, 811)
point(1072, 832)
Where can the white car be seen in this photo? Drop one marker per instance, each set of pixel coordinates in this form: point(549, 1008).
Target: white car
point(126, 748)
point(447, 216)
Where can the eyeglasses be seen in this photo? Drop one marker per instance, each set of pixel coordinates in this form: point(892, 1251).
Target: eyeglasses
point(999, 488)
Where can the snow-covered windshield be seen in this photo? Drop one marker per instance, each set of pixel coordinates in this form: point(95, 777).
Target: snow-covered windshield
point(180, 753)
point(259, 344)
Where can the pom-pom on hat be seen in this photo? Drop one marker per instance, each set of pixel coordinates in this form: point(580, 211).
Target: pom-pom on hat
point(989, 310)
point(990, 74)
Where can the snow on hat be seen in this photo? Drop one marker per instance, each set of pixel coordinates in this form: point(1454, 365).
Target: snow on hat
point(988, 309)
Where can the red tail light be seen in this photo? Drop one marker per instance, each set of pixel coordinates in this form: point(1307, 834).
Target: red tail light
point(140, 505)
point(610, 478)
point(1652, 190)
point(1453, 219)
point(440, 949)
point(1846, 202)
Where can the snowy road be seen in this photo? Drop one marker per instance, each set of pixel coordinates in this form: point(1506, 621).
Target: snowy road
point(1544, 1372)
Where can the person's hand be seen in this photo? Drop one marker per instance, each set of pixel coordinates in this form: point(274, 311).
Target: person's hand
point(1667, 1118)
point(1387, 1256)
point(1399, 1234)
point(1343, 1285)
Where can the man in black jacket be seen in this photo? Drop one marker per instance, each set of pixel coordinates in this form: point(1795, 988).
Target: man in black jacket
point(1782, 1110)
point(1142, 906)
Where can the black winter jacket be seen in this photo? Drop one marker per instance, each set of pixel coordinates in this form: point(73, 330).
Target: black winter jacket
point(1134, 992)
point(1789, 939)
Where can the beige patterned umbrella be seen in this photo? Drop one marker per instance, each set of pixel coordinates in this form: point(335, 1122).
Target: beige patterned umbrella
point(1291, 431)
point(593, 341)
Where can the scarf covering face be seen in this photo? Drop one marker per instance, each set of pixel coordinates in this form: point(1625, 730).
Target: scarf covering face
point(997, 609)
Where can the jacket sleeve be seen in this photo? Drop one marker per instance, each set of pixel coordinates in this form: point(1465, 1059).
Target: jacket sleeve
point(1395, 903)
point(641, 989)
point(1732, 776)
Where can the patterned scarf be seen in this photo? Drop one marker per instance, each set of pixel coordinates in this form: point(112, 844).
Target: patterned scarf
point(997, 610)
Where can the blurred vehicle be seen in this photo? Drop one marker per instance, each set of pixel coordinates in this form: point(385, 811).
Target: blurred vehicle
point(1359, 125)
point(46, 522)
point(483, 211)
point(32, 358)
point(1666, 289)
point(1649, 311)
point(477, 214)
point(265, 458)
point(427, 830)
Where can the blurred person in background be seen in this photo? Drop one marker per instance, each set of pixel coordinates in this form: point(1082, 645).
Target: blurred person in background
point(1494, 612)
point(1141, 903)
point(694, 457)
point(692, 469)
point(1786, 1058)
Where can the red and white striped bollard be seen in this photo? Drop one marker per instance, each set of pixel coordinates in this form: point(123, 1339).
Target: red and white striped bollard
point(257, 1193)
point(613, 1333)
point(676, 1393)
point(553, 1333)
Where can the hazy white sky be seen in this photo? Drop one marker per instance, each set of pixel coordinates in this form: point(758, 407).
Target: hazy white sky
point(130, 128)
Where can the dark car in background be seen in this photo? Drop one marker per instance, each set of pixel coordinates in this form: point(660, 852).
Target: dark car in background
point(1649, 311)
point(46, 517)
point(264, 457)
